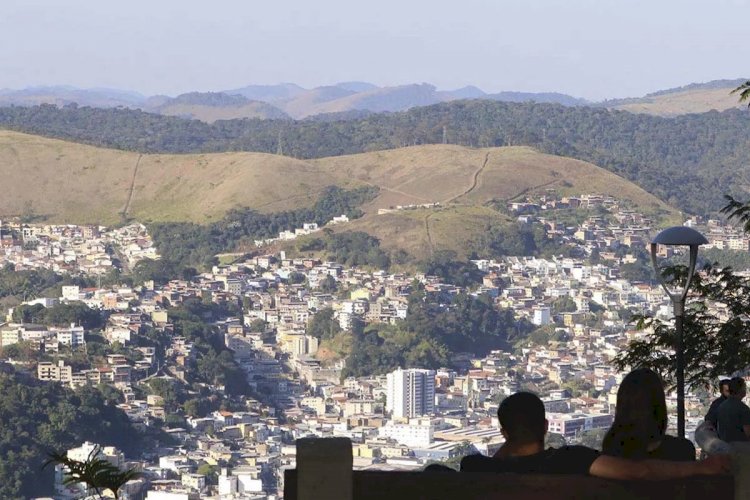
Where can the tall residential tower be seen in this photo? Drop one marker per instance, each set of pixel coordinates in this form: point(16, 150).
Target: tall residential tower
point(411, 393)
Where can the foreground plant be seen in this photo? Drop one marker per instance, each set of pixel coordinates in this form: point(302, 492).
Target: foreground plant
point(97, 473)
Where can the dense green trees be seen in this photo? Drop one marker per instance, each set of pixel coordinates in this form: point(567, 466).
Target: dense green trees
point(76, 313)
point(355, 248)
point(215, 363)
point(323, 325)
point(26, 285)
point(713, 346)
point(517, 239)
point(185, 244)
point(37, 417)
point(703, 155)
point(449, 269)
point(431, 333)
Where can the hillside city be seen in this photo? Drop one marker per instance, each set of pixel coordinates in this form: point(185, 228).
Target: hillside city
point(577, 308)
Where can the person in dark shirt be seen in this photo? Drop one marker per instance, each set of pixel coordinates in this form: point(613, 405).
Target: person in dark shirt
point(523, 423)
point(639, 428)
point(713, 410)
point(734, 415)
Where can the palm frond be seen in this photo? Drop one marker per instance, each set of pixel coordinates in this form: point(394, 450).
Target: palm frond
point(737, 210)
point(97, 473)
point(744, 92)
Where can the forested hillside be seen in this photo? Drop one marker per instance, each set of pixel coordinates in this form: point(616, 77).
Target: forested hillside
point(690, 161)
point(40, 417)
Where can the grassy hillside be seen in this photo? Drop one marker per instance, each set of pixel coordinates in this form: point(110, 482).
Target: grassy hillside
point(694, 98)
point(70, 182)
point(476, 176)
point(465, 182)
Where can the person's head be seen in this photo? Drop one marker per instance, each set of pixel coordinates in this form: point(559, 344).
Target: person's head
point(522, 419)
point(737, 388)
point(724, 387)
point(640, 414)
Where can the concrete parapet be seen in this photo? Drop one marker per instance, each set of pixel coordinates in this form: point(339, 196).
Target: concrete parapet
point(324, 469)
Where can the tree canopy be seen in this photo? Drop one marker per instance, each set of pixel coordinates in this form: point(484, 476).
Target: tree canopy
point(713, 346)
point(183, 245)
point(38, 417)
point(432, 333)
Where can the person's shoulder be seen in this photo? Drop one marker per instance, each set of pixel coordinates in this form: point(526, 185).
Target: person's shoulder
point(571, 459)
point(477, 463)
point(573, 452)
point(732, 402)
point(575, 449)
point(678, 448)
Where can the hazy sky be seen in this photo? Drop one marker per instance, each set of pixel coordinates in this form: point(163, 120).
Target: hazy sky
point(588, 48)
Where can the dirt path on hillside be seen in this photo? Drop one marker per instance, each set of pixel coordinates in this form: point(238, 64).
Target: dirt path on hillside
point(132, 188)
point(474, 180)
point(430, 244)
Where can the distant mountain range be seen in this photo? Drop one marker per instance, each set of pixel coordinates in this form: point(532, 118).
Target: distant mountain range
point(288, 100)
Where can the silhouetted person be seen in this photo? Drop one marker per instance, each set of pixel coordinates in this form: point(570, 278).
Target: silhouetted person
point(524, 425)
point(734, 415)
point(639, 428)
point(713, 410)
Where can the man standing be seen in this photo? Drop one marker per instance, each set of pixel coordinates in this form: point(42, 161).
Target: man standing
point(713, 410)
point(523, 423)
point(734, 415)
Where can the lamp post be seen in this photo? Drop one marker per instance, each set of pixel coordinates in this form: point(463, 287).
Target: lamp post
point(679, 236)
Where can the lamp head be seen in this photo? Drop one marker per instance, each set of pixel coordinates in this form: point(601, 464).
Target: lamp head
point(680, 235)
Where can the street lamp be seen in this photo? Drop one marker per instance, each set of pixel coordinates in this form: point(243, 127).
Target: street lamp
point(679, 236)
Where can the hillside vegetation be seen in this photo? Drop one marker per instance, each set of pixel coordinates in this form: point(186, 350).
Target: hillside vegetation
point(66, 181)
point(69, 182)
point(690, 161)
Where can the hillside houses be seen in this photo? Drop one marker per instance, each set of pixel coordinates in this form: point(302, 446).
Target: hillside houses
point(578, 308)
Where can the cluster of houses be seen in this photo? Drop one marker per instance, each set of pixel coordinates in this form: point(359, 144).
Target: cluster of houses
point(307, 228)
point(73, 249)
point(580, 305)
point(399, 208)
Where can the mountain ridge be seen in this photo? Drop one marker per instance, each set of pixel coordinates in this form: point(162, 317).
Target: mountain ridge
point(295, 101)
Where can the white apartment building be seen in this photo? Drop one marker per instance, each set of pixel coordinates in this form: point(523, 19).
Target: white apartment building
point(71, 293)
point(52, 372)
point(416, 434)
point(410, 393)
point(541, 316)
point(73, 336)
point(571, 424)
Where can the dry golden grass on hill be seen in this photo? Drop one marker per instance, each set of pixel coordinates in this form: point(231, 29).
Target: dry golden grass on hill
point(69, 182)
point(680, 103)
point(455, 174)
point(72, 182)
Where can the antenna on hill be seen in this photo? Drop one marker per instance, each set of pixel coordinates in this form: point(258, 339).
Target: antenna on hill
point(279, 150)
